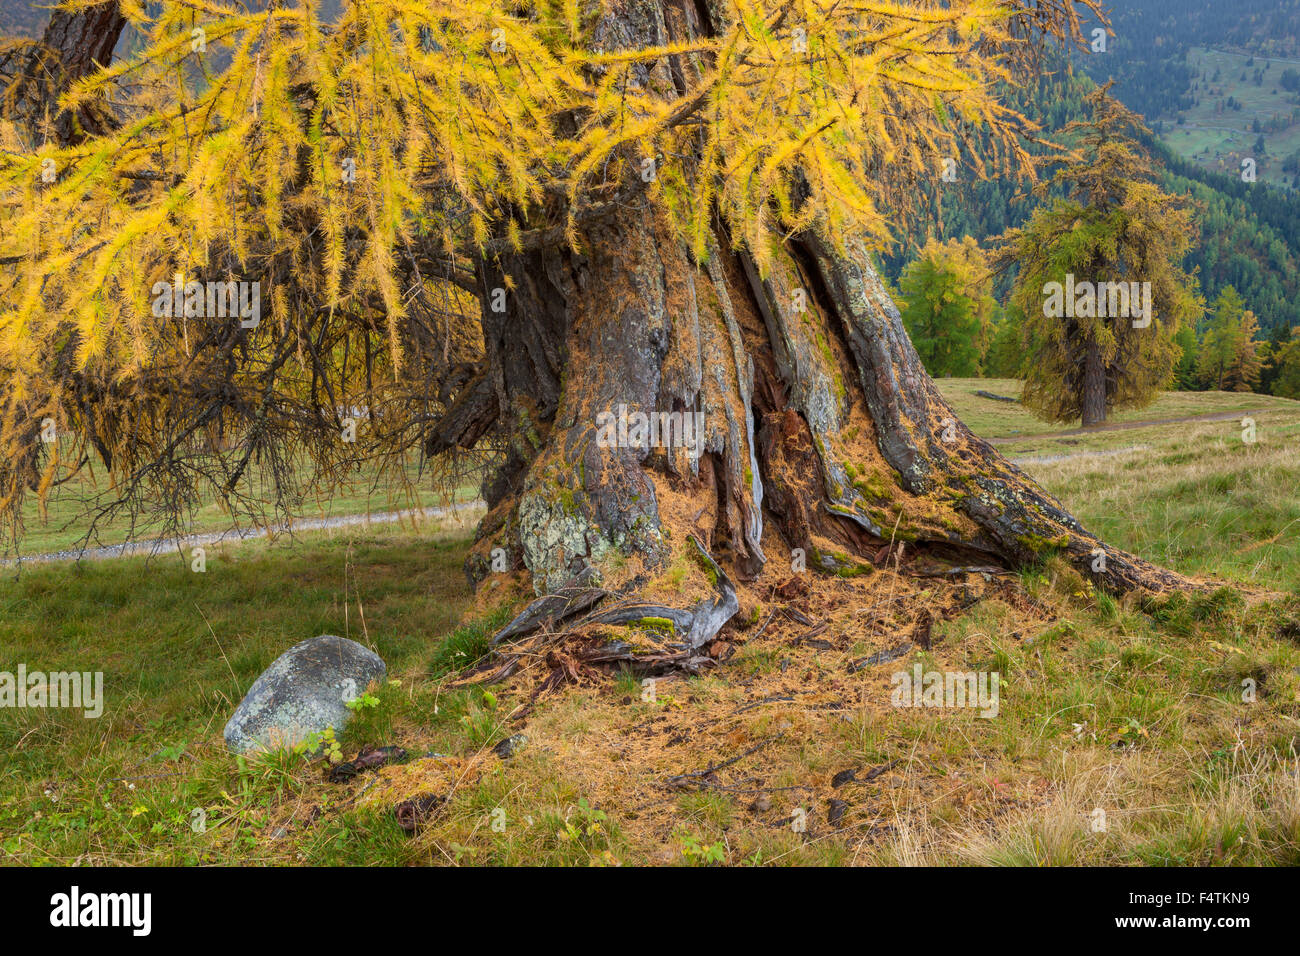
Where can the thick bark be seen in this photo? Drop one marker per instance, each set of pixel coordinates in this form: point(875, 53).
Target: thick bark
point(85, 39)
point(1094, 386)
point(632, 323)
point(821, 429)
point(34, 76)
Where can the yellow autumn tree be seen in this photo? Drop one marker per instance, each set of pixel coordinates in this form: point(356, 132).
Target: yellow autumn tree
point(499, 223)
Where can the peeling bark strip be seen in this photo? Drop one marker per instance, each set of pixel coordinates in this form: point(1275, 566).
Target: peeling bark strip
point(1021, 519)
point(681, 633)
point(819, 416)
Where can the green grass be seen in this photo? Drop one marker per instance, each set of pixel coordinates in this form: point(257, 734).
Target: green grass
point(178, 650)
point(1194, 496)
point(62, 522)
point(992, 419)
point(1218, 140)
point(1132, 707)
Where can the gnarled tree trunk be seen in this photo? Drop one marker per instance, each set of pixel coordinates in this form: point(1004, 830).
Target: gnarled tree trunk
point(822, 430)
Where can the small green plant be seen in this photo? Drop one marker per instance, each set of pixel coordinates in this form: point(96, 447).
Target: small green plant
point(700, 854)
point(323, 742)
point(584, 825)
point(628, 684)
point(362, 701)
point(461, 852)
point(173, 753)
point(481, 723)
point(469, 643)
point(1130, 733)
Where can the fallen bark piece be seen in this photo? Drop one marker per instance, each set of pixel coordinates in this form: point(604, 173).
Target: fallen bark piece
point(843, 777)
point(666, 638)
point(875, 772)
point(835, 811)
point(574, 598)
point(784, 698)
point(638, 612)
point(711, 613)
point(411, 813)
point(988, 570)
point(881, 657)
point(371, 758)
point(807, 636)
point(700, 778)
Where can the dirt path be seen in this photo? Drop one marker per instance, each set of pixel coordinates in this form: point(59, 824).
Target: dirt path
point(1271, 59)
point(1124, 426)
point(1066, 456)
point(1218, 129)
point(155, 546)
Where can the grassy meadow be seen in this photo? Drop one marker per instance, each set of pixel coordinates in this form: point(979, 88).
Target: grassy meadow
point(1217, 139)
point(63, 521)
point(1124, 734)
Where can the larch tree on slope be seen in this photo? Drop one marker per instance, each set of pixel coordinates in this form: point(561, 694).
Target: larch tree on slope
point(1110, 252)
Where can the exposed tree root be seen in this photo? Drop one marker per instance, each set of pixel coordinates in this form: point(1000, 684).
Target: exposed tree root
point(669, 638)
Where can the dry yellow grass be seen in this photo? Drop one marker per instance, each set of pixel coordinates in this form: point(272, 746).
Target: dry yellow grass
point(1133, 709)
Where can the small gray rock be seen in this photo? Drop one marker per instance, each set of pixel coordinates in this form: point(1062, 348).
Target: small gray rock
point(510, 746)
point(304, 691)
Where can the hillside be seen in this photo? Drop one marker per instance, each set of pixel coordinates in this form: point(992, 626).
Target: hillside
point(23, 18)
point(1250, 232)
point(1211, 78)
point(1242, 108)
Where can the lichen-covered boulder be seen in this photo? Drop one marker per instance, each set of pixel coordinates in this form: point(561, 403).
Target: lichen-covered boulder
point(304, 691)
